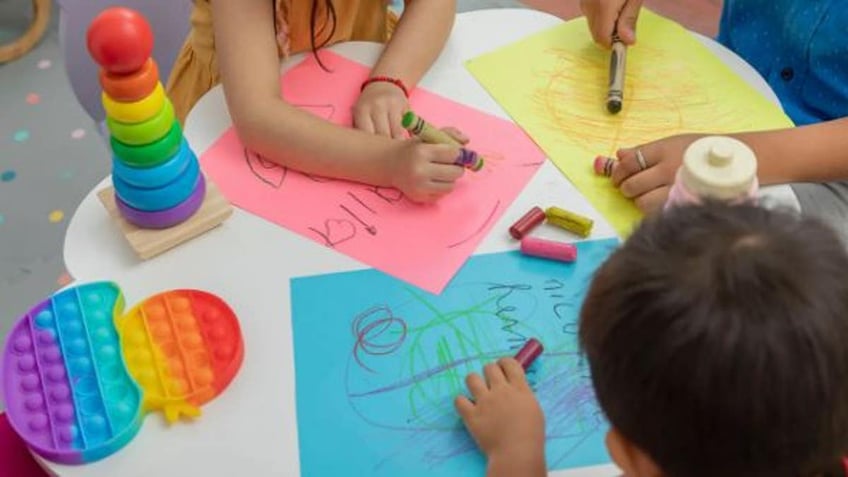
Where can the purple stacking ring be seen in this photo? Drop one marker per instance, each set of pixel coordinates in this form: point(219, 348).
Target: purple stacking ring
point(162, 219)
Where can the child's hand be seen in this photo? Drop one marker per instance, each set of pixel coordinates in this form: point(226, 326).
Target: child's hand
point(602, 16)
point(505, 419)
point(425, 172)
point(379, 109)
point(649, 188)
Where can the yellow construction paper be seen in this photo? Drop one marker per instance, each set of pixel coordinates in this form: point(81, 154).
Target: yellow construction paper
point(554, 85)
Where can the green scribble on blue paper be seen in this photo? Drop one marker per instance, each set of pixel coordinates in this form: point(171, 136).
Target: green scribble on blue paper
point(379, 362)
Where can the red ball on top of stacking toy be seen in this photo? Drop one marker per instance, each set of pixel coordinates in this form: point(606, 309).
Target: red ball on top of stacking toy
point(120, 40)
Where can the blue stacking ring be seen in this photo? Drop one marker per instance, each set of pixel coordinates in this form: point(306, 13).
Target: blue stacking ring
point(157, 176)
point(150, 200)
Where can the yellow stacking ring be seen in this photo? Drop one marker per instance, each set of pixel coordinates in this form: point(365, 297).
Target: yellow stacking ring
point(146, 132)
point(135, 112)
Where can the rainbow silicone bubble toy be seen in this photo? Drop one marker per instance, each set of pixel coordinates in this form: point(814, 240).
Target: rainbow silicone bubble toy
point(79, 375)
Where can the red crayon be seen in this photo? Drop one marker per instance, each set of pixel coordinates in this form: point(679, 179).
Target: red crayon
point(527, 222)
point(529, 352)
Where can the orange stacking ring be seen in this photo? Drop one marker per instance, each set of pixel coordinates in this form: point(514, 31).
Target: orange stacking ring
point(146, 132)
point(137, 111)
point(133, 86)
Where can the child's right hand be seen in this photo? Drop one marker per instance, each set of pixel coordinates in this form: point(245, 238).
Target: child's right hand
point(425, 172)
point(505, 419)
point(604, 15)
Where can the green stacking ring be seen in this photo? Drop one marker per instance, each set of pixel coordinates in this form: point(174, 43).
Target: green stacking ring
point(149, 155)
point(145, 132)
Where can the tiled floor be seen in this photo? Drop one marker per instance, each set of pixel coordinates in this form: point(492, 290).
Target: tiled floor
point(51, 155)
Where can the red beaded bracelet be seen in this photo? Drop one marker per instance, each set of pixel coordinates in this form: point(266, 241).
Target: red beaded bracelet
point(385, 79)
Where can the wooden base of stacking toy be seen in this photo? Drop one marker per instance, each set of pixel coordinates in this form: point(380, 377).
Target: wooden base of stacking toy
point(148, 243)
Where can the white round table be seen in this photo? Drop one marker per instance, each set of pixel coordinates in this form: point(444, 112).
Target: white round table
point(251, 429)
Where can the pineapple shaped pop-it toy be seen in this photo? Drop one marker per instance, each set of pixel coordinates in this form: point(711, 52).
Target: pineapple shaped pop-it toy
point(79, 376)
point(158, 182)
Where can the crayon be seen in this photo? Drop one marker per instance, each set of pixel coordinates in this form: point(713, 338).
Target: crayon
point(469, 160)
point(570, 221)
point(536, 247)
point(529, 221)
point(429, 134)
point(433, 135)
point(615, 97)
point(603, 165)
point(529, 352)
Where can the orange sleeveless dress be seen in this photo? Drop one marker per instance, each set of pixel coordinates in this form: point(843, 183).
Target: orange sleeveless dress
point(195, 70)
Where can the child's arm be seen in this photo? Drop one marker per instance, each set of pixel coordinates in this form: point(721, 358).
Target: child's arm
point(505, 420)
point(249, 66)
point(813, 153)
point(417, 41)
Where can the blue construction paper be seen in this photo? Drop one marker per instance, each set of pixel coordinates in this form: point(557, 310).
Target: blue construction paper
point(379, 362)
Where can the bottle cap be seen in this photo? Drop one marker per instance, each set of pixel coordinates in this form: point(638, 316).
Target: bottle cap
point(719, 167)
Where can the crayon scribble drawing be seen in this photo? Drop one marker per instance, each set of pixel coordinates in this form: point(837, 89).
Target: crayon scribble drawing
point(379, 364)
point(423, 245)
point(554, 84)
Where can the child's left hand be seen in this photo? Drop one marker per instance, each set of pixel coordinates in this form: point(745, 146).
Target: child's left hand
point(505, 419)
point(649, 187)
point(379, 110)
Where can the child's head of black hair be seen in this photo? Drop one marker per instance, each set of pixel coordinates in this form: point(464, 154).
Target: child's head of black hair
point(717, 337)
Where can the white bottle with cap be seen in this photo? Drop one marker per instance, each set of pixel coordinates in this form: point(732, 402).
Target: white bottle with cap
point(716, 167)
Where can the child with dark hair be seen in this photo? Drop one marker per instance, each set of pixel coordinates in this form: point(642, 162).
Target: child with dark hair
point(717, 340)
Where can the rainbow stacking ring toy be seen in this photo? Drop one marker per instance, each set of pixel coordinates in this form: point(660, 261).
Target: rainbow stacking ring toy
point(79, 374)
point(156, 175)
point(159, 198)
point(162, 219)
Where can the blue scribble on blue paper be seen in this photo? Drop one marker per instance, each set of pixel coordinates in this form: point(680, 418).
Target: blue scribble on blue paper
point(379, 363)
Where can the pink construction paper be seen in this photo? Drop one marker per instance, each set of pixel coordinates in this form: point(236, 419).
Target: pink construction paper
point(424, 245)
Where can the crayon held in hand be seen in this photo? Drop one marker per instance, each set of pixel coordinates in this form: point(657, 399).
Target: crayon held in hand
point(615, 98)
point(469, 160)
point(424, 130)
point(570, 221)
point(433, 135)
point(603, 165)
point(529, 352)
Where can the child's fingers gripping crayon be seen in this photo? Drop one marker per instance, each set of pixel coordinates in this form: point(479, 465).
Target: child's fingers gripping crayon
point(433, 135)
point(526, 356)
point(604, 165)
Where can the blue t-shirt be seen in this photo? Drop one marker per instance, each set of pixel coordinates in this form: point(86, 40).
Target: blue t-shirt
point(799, 46)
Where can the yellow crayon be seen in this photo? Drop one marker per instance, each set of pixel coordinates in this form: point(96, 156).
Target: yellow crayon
point(433, 135)
point(570, 221)
point(418, 126)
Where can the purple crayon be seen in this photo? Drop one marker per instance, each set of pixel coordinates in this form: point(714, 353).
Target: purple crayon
point(469, 160)
point(432, 135)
